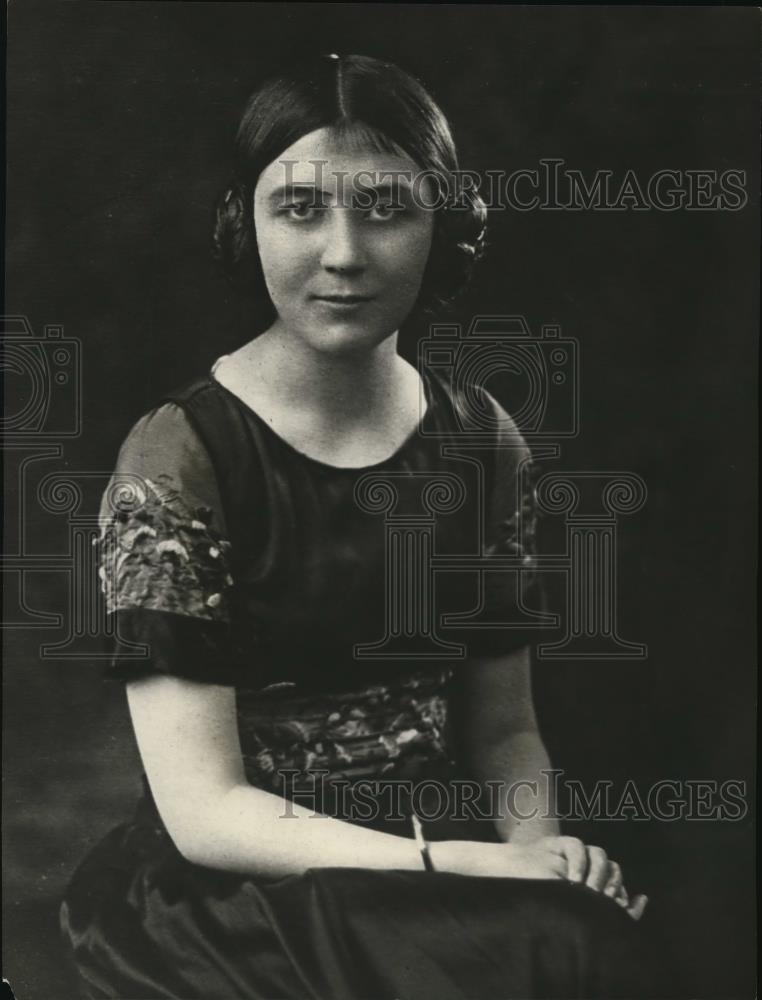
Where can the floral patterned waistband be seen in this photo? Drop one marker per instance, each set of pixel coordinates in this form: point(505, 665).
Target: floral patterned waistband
point(382, 730)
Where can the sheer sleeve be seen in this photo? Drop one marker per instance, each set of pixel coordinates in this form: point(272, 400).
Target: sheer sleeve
point(164, 555)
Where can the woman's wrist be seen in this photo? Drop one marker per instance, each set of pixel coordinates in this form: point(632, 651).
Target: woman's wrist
point(444, 855)
point(461, 857)
point(473, 857)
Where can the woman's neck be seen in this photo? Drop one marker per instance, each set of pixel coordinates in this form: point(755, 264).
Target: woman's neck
point(342, 389)
point(347, 411)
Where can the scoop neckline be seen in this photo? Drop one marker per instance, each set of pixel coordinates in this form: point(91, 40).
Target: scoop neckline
point(412, 436)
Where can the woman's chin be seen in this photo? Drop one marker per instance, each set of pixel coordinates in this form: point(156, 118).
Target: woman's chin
point(346, 338)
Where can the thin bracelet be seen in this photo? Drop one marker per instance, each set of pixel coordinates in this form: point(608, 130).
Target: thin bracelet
point(423, 847)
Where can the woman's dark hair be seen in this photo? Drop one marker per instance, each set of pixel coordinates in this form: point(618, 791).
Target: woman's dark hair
point(386, 109)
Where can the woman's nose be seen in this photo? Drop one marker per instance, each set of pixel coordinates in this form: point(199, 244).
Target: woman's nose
point(344, 248)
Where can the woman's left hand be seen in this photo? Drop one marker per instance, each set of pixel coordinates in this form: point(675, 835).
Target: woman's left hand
point(589, 865)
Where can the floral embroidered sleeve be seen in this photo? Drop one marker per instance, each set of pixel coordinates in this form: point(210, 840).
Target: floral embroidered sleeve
point(512, 598)
point(164, 558)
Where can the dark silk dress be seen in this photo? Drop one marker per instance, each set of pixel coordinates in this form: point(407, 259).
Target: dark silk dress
point(229, 557)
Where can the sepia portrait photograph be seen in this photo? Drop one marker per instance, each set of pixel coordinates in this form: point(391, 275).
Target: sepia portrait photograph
point(380, 511)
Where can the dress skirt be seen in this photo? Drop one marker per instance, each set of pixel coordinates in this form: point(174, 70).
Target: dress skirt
point(142, 922)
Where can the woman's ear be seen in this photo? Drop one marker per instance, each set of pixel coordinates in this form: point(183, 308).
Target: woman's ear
point(458, 242)
point(234, 246)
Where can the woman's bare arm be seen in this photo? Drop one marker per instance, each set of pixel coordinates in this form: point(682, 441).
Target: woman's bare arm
point(504, 745)
point(188, 738)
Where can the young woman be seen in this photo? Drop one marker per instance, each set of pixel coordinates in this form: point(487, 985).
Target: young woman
point(248, 552)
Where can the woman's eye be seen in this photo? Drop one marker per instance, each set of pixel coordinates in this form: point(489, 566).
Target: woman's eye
point(384, 213)
point(301, 210)
point(307, 211)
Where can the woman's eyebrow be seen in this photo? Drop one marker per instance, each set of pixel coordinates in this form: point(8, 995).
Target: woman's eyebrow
point(386, 187)
point(319, 198)
point(281, 195)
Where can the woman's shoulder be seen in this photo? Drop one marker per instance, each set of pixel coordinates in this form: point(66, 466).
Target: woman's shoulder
point(476, 411)
point(182, 426)
point(195, 443)
point(164, 450)
point(163, 436)
point(165, 419)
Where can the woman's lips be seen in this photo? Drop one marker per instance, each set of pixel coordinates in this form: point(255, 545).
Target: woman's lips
point(344, 299)
point(343, 302)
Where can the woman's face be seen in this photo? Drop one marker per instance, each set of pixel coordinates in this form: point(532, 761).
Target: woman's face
point(342, 276)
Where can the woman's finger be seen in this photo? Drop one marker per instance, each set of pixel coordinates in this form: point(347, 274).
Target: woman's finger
point(558, 865)
point(614, 883)
point(637, 906)
point(622, 897)
point(576, 857)
point(597, 869)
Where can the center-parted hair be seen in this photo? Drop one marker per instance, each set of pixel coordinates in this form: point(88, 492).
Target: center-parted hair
point(375, 106)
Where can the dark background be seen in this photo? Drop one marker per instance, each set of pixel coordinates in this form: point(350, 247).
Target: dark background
point(120, 123)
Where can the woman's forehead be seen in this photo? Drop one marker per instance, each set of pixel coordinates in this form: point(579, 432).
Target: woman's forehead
point(326, 152)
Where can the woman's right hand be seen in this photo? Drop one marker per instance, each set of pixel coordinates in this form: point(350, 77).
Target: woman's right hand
point(547, 858)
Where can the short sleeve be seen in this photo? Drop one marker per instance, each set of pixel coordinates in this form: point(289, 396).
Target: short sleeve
point(513, 597)
point(164, 555)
